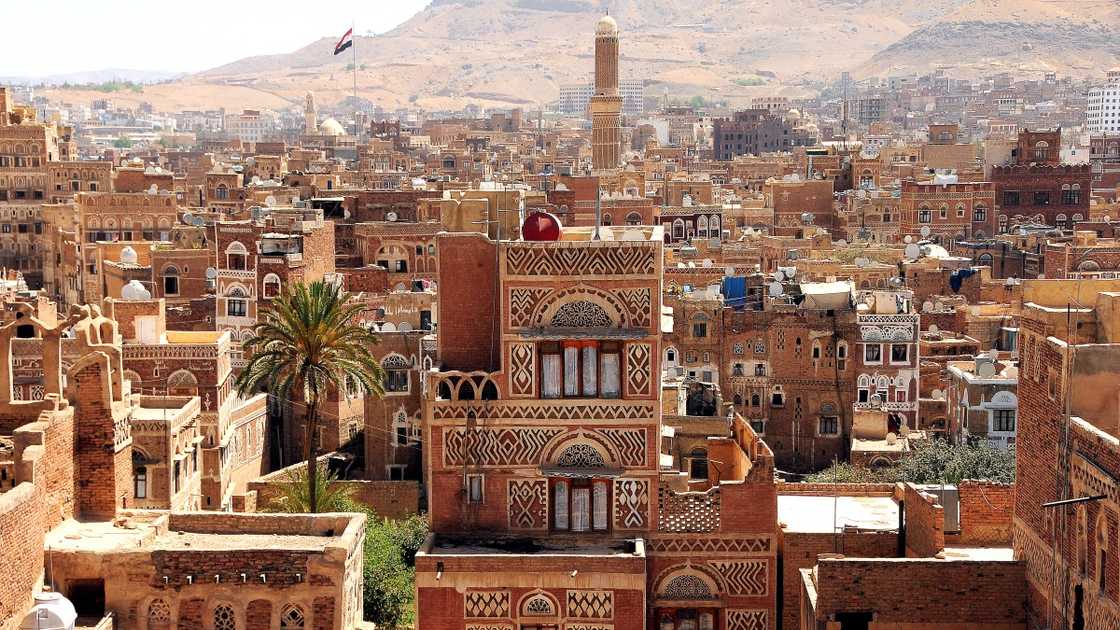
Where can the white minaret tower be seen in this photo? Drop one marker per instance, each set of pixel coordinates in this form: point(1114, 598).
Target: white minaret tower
point(310, 115)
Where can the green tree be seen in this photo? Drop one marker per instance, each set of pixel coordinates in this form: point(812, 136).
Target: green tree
point(309, 343)
point(389, 552)
point(295, 494)
point(933, 461)
point(123, 143)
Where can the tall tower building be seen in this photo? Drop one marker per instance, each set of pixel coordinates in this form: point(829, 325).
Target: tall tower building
point(310, 115)
point(606, 102)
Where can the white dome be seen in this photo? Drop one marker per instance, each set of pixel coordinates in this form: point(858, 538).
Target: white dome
point(331, 127)
point(128, 255)
point(606, 26)
point(135, 291)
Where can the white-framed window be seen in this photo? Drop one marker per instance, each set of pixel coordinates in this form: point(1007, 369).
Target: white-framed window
point(872, 354)
point(900, 353)
point(475, 489)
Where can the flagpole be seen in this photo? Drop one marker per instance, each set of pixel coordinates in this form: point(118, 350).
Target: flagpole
point(354, 57)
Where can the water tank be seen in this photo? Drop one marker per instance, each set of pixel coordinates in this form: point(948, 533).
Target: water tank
point(128, 255)
point(135, 291)
point(51, 611)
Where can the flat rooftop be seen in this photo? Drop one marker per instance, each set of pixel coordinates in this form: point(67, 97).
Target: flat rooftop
point(979, 553)
point(556, 546)
point(145, 532)
point(825, 515)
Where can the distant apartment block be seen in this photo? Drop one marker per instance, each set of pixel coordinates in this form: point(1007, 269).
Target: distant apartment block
point(574, 97)
point(1103, 109)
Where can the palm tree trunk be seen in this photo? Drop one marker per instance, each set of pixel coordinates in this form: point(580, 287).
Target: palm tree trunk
point(312, 450)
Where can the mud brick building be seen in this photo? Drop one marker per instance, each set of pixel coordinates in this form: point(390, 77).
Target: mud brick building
point(1036, 187)
point(952, 212)
point(1067, 449)
point(542, 434)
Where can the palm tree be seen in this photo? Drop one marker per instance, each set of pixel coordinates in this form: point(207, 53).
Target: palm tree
point(308, 343)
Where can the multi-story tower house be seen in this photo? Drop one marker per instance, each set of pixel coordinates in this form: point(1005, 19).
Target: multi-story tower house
point(552, 501)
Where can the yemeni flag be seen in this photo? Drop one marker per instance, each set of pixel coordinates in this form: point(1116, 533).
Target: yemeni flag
point(344, 43)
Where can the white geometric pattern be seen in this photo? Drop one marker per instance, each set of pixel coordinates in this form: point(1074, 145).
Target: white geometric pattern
point(631, 503)
point(738, 619)
point(743, 577)
point(590, 604)
point(486, 604)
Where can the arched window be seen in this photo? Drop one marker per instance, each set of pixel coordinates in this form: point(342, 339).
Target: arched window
point(236, 256)
point(984, 259)
point(1089, 265)
point(698, 463)
point(756, 400)
point(171, 281)
point(714, 226)
point(271, 286)
point(449, 161)
point(678, 229)
point(236, 303)
point(221, 192)
point(159, 615)
point(1041, 151)
point(581, 314)
point(396, 373)
point(633, 219)
point(924, 215)
point(608, 219)
point(224, 617)
point(979, 214)
point(140, 482)
point(182, 383)
point(702, 227)
point(538, 606)
point(291, 618)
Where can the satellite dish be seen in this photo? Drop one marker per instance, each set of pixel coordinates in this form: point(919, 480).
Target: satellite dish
point(925, 231)
point(1107, 219)
point(896, 282)
point(908, 239)
point(927, 306)
point(153, 189)
point(792, 255)
point(841, 243)
point(986, 370)
point(932, 327)
point(211, 273)
point(778, 276)
point(707, 263)
point(256, 180)
point(776, 289)
point(913, 251)
point(405, 327)
point(937, 394)
point(188, 218)
point(390, 216)
point(728, 271)
point(876, 399)
point(862, 262)
point(270, 201)
point(994, 354)
point(790, 272)
point(806, 217)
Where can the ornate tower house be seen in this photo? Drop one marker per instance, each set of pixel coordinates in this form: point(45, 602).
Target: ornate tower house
point(606, 102)
point(551, 501)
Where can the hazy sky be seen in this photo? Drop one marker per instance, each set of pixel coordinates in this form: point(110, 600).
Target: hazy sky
point(62, 36)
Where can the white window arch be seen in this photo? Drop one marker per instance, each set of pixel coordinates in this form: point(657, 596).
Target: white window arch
point(702, 226)
point(237, 256)
point(271, 286)
point(171, 281)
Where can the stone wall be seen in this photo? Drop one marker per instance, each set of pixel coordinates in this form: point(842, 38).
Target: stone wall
point(924, 593)
point(925, 524)
point(985, 512)
point(21, 554)
point(801, 550)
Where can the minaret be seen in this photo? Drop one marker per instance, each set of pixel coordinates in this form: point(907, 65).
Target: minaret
point(310, 116)
point(606, 103)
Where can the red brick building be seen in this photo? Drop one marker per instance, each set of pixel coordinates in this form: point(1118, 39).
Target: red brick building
point(952, 212)
point(542, 434)
point(1035, 187)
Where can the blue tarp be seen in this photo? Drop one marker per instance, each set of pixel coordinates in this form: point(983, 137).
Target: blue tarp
point(957, 277)
point(734, 290)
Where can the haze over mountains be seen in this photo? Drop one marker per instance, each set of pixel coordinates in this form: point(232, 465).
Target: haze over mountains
point(518, 52)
